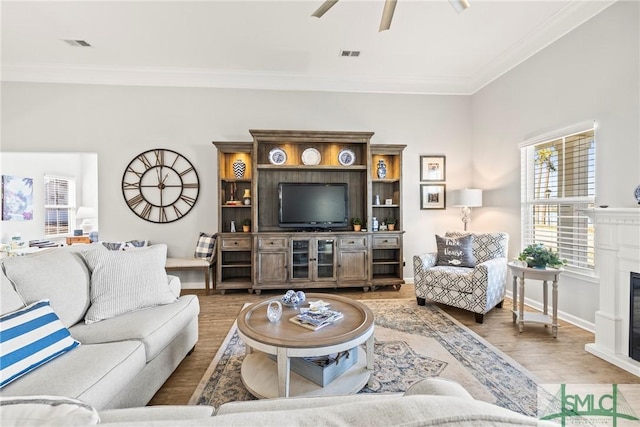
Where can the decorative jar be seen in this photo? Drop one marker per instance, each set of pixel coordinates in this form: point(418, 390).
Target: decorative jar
point(239, 168)
point(382, 169)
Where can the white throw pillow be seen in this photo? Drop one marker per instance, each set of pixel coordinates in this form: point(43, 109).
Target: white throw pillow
point(46, 411)
point(125, 281)
point(31, 337)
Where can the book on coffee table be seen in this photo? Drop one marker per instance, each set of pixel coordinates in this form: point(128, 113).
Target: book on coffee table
point(315, 320)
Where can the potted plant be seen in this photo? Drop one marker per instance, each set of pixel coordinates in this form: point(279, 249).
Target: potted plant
point(246, 225)
point(357, 224)
point(539, 256)
point(391, 223)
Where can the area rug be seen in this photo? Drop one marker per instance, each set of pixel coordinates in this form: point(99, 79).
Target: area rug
point(411, 343)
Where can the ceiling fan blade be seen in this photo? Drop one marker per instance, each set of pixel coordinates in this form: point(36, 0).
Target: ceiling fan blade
point(459, 5)
point(324, 7)
point(387, 14)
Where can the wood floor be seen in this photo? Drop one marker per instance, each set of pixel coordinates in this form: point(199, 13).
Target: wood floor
point(560, 360)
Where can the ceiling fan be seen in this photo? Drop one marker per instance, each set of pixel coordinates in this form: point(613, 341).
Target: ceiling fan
point(387, 13)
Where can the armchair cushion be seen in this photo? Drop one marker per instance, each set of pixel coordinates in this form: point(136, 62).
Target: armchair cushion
point(455, 251)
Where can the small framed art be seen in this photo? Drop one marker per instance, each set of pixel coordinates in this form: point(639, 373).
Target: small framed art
point(432, 196)
point(432, 168)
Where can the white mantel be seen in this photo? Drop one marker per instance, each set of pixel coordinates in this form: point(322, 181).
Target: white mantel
point(617, 255)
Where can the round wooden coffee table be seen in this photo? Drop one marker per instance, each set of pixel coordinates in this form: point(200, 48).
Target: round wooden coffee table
point(265, 378)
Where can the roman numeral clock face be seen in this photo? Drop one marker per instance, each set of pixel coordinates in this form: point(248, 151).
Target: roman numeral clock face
point(160, 186)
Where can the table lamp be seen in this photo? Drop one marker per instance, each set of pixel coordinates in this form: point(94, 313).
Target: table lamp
point(467, 199)
point(86, 214)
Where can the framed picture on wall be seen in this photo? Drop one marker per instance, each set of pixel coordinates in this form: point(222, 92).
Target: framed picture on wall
point(432, 196)
point(432, 168)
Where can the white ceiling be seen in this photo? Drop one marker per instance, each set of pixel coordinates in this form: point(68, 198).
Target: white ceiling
point(278, 45)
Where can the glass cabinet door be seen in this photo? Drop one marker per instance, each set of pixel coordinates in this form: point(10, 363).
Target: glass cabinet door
point(325, 258)
point(300, 259)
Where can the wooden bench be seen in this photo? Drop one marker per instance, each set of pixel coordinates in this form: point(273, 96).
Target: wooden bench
point(175, 264)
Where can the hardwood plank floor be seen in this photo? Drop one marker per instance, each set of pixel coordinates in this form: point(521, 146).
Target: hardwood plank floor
point(560, 360)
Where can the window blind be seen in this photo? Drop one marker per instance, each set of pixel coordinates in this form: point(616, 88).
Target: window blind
point(59, 205)
point(558, 183)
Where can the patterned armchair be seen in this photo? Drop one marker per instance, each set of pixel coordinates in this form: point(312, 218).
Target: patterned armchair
point(476, 289)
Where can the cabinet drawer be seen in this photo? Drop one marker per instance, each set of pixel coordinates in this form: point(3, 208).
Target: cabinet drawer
point(239, 243)
point(266, 243)
point(353, 242)
point(387, 241)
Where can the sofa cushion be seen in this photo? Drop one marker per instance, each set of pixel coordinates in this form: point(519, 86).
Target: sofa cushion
point(10, 300)
point(455, 251)
point(156, 327)
point(29, 338)
point(125, 281)
point(95, 374)
point(59, 275)
point(46, 411)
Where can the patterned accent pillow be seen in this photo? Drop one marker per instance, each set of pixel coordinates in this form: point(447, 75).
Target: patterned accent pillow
point(46, 411)
point(31, 337)
point(205, 246)
point(123, 246)
point(456, 252)
point(125, 281)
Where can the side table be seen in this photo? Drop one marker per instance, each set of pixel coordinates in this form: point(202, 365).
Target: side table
point(78, 239)
point(546, 275)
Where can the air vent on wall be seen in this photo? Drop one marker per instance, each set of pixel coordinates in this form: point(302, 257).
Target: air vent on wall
point(349, 53)
point(78, 43)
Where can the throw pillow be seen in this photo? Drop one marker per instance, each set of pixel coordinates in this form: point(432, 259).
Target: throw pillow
point(123, 246)
point(456, 252)
point(205, 246)
point(125, 281)
point(31, 337)
point(46, 411)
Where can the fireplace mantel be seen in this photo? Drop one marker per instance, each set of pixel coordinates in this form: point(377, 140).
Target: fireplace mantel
point(617, 255)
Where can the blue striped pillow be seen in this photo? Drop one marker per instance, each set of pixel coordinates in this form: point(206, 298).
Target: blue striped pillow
point(29, 338)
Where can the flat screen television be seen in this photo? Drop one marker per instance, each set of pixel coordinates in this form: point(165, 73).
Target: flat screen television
point(313, 205)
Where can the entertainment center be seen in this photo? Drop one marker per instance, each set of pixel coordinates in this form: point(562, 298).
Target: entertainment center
point(300, 190)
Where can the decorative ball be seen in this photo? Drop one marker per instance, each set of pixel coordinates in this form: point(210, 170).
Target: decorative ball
point(286, 299)
point(301, 296)
point(295, 300)
point(290, 293)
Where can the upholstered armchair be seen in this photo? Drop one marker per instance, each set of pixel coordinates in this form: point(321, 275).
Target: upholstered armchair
point(476, 288)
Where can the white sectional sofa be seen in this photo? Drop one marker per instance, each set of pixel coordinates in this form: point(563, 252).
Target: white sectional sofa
point(122, 360)
point(430, 402)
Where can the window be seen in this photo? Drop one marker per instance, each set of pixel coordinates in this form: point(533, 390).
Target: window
point(558, 182)
point(59, 205)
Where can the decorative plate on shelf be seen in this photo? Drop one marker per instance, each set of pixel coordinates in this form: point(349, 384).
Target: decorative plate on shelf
point(277, 156)
point(311, 156)
point(346, 157)
point(637, 194)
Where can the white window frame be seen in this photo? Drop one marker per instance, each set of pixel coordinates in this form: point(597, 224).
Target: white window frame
point(70, 206)
point(577, 204)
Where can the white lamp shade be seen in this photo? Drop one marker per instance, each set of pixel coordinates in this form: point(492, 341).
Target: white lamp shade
point(85, 212)
point(469, 197)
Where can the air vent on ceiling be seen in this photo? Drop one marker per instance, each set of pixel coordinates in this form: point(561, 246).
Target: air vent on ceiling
point(349, 53)
point(79, 43)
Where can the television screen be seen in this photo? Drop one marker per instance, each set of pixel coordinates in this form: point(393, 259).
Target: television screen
point(313, 205)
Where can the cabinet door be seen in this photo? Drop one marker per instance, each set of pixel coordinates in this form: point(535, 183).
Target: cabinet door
point(325, 259)
point(300, 259)
point(352, 265)
point(272, 268)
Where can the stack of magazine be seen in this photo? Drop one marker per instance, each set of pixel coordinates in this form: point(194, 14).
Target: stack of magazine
point(316, 319)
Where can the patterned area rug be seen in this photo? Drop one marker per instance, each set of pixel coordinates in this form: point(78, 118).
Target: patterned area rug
point(411, 342)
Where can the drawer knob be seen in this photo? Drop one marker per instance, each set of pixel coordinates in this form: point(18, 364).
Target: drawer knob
point(235, 243)
point(386, 241)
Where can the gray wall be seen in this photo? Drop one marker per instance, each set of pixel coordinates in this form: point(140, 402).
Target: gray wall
point(590, 74)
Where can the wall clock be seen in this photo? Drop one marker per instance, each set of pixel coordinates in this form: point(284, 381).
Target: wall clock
point(160, 185)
